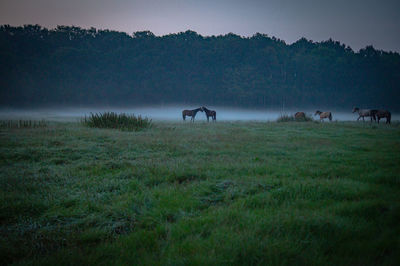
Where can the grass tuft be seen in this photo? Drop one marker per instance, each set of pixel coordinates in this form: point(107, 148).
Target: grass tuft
point(117, 121)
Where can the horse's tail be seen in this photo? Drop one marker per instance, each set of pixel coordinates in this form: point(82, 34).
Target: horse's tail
point(215, 116)
point(389, 117)
point(183, 116)
point(330, 116)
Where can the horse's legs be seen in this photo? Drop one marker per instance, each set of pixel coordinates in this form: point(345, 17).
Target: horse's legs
point(359, 118)
point(378, 119)
point(208, 118)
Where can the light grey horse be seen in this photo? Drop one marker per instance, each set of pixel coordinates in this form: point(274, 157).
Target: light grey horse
point(365, 113)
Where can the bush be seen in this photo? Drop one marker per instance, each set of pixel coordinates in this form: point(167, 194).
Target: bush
point(118, 121)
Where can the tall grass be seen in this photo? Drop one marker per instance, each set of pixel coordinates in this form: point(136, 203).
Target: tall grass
point(22, 124)
point(118, 121)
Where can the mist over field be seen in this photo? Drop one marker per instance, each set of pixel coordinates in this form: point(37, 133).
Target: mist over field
point(168, 113)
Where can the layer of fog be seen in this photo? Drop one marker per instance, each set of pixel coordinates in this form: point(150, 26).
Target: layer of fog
point(166, 114)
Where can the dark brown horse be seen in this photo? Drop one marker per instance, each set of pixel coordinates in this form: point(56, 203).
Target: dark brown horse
point(209, 113)
point(191, 113)
point(323, 115)
point(299, 116)
point(384, 114)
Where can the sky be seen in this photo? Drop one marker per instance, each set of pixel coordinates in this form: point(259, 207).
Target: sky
point(356, 23)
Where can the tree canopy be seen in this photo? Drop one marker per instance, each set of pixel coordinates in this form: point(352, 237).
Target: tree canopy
point(74, 66)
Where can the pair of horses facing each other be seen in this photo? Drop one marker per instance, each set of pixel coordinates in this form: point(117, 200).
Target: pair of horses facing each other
point(373, 113)
point(192, 113)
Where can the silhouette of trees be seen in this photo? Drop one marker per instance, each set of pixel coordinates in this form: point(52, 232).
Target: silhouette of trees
point(74, 66)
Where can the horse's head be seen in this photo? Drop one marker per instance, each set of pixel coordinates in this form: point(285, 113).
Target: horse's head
point(356, 109)
point(318, 112)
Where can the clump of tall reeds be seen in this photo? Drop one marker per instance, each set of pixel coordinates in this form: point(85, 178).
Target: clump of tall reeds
point(122, 121)
point(291, 118)
point(22, 123)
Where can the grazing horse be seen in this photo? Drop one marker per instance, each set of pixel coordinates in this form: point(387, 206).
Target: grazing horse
point(323, 115)
point(209, 113)
point(365, 113)
point(299, 116)
point(191, 113)
point(383, 114)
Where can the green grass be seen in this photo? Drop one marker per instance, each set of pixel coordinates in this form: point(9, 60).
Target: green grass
point(202, 193)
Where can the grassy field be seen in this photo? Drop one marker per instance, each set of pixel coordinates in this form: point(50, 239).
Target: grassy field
point(196, 193)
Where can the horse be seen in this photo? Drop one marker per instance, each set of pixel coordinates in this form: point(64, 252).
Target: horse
point(365, 112)
point(323, 115)
point(209, 113)
point(383, 114)
point(191, 113)
point(300, 116)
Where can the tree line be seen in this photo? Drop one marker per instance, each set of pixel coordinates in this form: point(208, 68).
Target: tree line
point(73, 66)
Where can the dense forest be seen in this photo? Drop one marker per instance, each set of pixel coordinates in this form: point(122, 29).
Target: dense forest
point(79, 67)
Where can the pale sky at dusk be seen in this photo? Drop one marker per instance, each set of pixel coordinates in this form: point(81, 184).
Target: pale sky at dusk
point(354, 22)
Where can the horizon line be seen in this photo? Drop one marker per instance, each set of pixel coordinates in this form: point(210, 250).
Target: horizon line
point(205, 36)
